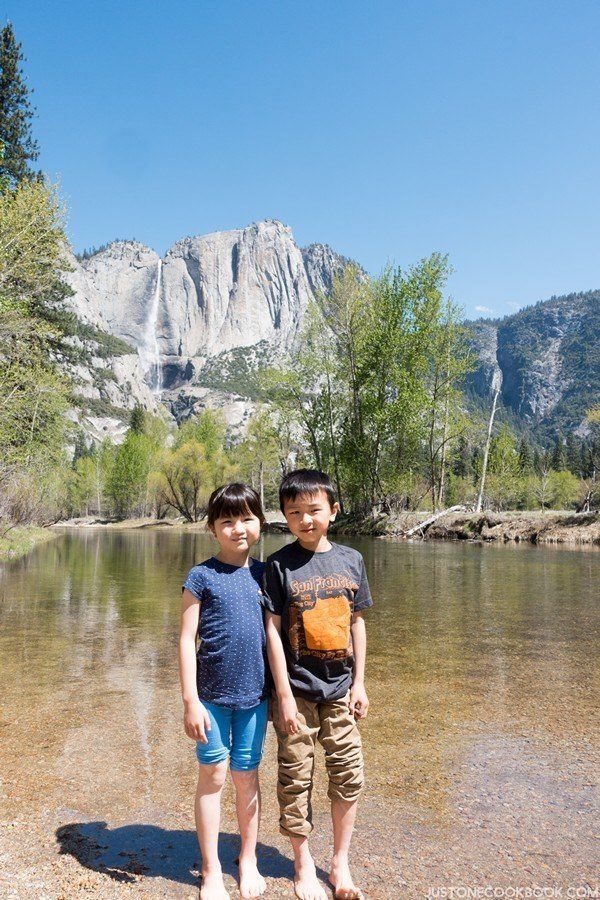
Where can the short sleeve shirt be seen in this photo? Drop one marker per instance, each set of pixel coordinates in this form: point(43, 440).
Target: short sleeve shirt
point(316, 594)
point(231, 658)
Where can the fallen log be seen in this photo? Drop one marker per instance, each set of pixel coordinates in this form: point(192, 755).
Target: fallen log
point(422, 526)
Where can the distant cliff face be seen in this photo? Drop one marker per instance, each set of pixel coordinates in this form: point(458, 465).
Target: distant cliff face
point(549, 358)
point(213, 293)
point(200, 321)
point(209, 297)
point(232, 289)
point(322, 264)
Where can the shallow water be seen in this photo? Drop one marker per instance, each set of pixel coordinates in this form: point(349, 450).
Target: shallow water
point(480, 746)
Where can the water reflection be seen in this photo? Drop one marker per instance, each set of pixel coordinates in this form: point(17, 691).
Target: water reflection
point(465, 643)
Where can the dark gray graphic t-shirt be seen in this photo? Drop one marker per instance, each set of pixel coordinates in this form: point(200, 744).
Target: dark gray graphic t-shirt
point(315, 594)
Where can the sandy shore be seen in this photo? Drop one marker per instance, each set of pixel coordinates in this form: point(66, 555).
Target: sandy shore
point(510, 812)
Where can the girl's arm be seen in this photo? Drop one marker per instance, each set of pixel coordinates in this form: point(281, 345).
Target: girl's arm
point(288, 711)
point(359, 702)
point(196, 720)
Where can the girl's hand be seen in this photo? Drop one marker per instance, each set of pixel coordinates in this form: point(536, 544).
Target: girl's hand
point(196, 721)
point(359, 702)
point(288, 714)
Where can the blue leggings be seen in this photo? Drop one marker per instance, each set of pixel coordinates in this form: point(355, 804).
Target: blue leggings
point(235, 733)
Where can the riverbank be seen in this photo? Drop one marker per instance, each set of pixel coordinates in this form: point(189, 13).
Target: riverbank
point(550, 527)
point(21, 540)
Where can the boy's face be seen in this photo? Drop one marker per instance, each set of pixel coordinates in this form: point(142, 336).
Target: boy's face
point(308, 516)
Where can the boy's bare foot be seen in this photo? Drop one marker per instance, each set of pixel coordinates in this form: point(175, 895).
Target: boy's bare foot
point(306, 883)
point(212, 887)
point(341, 881)
point(252, 884)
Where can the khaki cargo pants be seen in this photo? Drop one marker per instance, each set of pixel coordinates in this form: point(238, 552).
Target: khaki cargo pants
point(332, 724)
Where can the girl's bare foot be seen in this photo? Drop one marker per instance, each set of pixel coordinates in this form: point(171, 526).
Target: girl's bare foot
point(252, 884)
point(341, 881)
point(306, 883)
point(212, 887)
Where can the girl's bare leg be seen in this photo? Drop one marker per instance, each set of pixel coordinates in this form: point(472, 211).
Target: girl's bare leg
point(208, 818)
point(247, 805)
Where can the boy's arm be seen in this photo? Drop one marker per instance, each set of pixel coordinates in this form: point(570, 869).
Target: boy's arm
point(287, 705)
point(359, 702)
point(196, 720)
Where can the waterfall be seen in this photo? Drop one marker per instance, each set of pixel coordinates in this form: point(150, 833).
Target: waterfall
point(149, 351)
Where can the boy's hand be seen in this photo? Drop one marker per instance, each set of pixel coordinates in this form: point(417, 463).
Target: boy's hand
point(196, 721)
point(359, 702)
point(288, 714)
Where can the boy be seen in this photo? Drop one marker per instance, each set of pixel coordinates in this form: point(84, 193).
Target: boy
point(316, 641)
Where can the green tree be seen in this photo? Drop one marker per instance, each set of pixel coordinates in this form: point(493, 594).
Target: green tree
point(451, 360)
point(463, 459)
point(127, 485)
point(16, 113)
point(33, 292)
point(526, 458)
point(186, 476)
point(564, 489)
point(208, 429)
point(504, 457)
point(558, 460)
point(573, 454)
point(259, 454)
point(138, 419)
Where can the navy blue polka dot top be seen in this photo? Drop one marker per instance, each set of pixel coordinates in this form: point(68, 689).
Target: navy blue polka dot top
point(231, 659)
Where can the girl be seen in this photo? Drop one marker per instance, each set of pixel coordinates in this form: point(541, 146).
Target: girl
point(224, 683)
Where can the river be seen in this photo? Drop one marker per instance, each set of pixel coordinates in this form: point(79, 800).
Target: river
point(481, 745)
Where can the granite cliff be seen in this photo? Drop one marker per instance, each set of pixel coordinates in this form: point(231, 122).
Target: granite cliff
point(213, 302)
point(192, 328)
point(548, 356)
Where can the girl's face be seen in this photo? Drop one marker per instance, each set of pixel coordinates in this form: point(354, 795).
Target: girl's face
point(237, 533)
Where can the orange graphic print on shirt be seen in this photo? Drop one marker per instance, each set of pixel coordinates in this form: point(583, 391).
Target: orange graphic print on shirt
point(320, 616)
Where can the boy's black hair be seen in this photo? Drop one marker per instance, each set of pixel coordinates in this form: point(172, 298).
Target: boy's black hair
point(235, 499)
point(305, 481)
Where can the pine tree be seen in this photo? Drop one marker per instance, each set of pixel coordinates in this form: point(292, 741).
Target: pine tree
point(573, 455)
point(81, 449)
point(537, 462)
point(595, 459)
point(585, 461)
point(545, 461)
point(558, 460)
point(16, 112)
point(138, 419)
point(463, 464)
point(525, 456)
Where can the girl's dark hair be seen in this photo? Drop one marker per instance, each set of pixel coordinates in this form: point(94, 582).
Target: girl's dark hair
point(305, 481)
point(234, 499)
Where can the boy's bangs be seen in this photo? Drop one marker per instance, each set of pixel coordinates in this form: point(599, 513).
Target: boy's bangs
point(306, 483)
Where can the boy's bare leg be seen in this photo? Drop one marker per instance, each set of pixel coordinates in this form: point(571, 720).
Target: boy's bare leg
point(343, 816)
point(306, 883)
point(208, 817)
point(247, 806)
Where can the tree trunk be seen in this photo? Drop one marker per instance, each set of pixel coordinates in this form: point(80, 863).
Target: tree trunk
point(336, 467)
point(486, 452)
point(261, 483)
point(442, 480)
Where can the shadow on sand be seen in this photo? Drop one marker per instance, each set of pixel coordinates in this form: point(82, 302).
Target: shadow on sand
point(153, 852)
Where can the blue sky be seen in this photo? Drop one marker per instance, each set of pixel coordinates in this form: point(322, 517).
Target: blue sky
point(386, 129)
